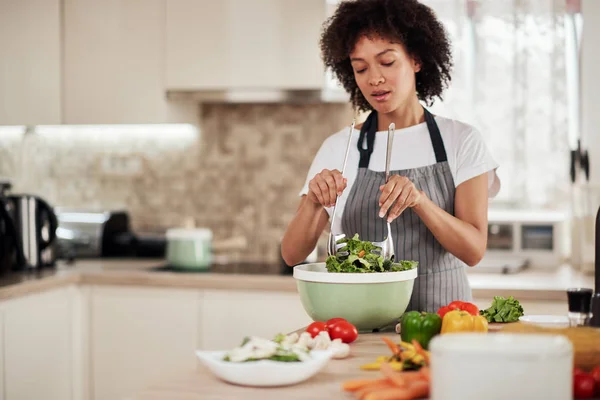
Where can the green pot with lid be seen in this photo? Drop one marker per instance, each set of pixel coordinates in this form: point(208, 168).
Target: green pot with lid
point(189, 249)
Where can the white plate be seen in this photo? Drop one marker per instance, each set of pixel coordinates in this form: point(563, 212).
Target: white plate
point(546, 320)
point(264, 373)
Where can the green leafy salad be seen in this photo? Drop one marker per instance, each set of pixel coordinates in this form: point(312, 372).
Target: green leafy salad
point(503, 310)
point(361, 259)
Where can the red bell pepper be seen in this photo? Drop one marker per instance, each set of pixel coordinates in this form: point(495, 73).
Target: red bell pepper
point(459, 305)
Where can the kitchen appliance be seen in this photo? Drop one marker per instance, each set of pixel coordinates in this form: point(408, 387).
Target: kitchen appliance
point(522, 238)
point(84, 233)
point(28, 231)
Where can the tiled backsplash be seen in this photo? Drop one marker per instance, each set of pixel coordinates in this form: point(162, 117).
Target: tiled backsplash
point(239, 175)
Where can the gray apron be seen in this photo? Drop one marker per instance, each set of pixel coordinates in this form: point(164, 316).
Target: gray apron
point(442, 277)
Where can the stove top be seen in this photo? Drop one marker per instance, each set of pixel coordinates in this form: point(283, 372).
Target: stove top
point(244, 268)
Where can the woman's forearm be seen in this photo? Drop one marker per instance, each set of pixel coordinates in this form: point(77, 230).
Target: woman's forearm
point(462, 239)
point(303, 232)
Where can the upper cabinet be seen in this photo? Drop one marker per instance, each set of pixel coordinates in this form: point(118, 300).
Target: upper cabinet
point(241, 44)
point(30, 66)
point(114, 62)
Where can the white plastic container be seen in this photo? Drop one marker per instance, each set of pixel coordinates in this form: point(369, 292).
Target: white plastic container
point(497, 366)
point(189, 248)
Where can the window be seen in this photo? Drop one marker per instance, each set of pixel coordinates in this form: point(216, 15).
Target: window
point(516, 80)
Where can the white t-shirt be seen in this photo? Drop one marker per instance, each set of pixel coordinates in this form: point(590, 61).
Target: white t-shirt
point(468, 156)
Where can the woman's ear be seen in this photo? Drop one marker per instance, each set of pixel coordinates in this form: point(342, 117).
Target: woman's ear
point(416, 65)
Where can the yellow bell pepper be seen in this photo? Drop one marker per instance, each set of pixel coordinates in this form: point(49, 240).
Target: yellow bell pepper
point(462, 321)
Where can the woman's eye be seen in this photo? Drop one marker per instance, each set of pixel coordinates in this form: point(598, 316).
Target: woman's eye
point(360, 71)
point(387, 64)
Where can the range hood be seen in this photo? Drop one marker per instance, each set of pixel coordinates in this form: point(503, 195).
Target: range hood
point(285, 96)
point(242, 51)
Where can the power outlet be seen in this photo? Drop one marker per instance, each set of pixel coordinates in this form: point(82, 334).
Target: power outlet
point(121, 165)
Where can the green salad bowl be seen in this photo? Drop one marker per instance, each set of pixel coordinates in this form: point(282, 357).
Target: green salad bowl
point(370, 301)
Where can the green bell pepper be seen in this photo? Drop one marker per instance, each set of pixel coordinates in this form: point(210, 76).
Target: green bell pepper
point(420, 326)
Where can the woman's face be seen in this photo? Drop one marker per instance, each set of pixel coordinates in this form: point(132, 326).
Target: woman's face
point(384, 73)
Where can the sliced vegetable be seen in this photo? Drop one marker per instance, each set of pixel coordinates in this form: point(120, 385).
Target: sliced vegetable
point(420, 326)
point(405, 357)
point(394, 385)
point(352, 386)
point(462, 321)
point(503, 310)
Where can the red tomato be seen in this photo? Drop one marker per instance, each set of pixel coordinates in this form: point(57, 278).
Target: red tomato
point(596, 375)
point(315, 328)
point(343, 330)
point(578, 371)
point(583, 386)
point(333, 321)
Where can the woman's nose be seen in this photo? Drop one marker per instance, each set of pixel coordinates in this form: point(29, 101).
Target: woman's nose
point(376, 77)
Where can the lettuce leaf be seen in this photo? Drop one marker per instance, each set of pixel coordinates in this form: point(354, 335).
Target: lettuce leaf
point(361, 259)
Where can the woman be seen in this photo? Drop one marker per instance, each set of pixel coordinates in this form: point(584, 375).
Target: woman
point(389, 55)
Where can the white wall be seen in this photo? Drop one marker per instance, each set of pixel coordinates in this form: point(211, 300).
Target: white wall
point(590, 85)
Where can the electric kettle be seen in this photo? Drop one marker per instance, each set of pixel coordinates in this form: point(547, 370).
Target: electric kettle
point(27, 231)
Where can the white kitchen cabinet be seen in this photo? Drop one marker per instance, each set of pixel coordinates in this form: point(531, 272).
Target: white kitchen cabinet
point(114, 64)
point(233, 44)
point(30, 62)
point(228, 316)
point(139, 336)
point(37, 346)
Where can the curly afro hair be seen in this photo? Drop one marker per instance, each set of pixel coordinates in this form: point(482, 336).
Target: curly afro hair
point(407, 21)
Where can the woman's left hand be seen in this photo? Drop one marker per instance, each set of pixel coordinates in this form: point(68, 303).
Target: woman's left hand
point(398, 194)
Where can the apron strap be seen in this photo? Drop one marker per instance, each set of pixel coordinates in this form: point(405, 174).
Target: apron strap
point(436, 137)
point(369, 129)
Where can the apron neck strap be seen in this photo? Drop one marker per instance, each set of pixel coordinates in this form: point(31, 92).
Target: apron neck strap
point(369, 129)
point(436, 137)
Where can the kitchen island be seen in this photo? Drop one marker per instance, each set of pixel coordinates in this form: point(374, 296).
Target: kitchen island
point(103, 326)
point(201, 384)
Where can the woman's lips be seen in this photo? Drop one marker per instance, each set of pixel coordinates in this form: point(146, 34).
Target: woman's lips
point(383, 96)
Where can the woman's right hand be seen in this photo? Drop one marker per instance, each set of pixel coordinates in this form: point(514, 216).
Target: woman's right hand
point(326, 186)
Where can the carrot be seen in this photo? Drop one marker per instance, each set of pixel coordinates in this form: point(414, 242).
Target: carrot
point(395, 377)
point(357, 384)
point(366, 390)
point(419, 389)
point(393, 346)
point(411, 376)
point(415, 390)
point(426, 373)
point(387, 394)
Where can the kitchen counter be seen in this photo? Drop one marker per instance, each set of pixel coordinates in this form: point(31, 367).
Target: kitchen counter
point(201, 384)
point(529, 284)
